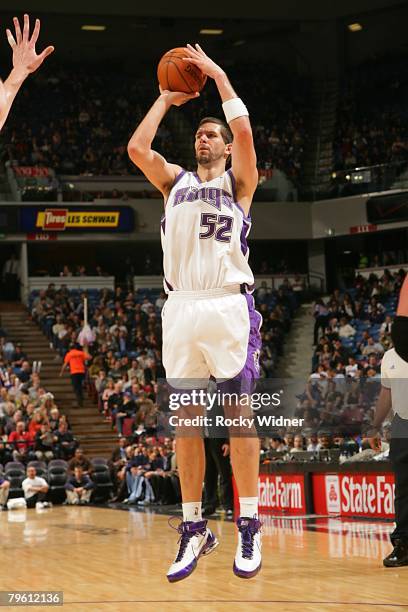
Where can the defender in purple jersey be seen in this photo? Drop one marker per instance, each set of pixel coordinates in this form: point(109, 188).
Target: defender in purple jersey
point(210, 325)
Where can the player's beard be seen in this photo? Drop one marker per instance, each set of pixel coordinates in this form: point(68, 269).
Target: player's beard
point(207, 158)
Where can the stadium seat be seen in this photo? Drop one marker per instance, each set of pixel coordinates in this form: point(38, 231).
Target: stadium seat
point(15, 474)
point(14, 467)
point(99, 461)
point(57, 477)
point(58, 463)
point(101, 478)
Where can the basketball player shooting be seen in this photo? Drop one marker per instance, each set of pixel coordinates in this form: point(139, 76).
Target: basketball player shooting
point(25, 61)
point(210, 326)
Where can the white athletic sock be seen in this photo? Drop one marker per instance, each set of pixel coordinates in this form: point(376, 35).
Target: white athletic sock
point(248, 506)
point(192, 511)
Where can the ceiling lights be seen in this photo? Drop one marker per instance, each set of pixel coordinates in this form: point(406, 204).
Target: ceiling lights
point(211, 31)
point(94, 28)
point(355, 27)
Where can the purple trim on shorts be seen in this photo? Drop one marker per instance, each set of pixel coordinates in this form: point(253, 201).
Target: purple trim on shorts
point(245, 288)
point(244, 382)
point(169, 287)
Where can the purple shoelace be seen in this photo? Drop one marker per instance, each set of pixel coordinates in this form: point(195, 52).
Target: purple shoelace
point(248, 528)
point(187, 531)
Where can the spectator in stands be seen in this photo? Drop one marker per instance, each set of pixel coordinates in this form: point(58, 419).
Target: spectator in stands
point(44, 443)
point(66, 443)
point(76, 359)
point(352, 367)
point(320, 314)
point(372, 347)
point(325, 440)
point(79, 487)
point(115, 400)
point(80, 460)
point(118, 460)
point(312, 443)
point(4, 492)
point(22, 443)
point(386, 326)
point(54, 418)
point(345, 329)
point(298, 444)
point(35, 489)
point(139, 488)
point(106, 394)
point(126, 410)
point(289, 441)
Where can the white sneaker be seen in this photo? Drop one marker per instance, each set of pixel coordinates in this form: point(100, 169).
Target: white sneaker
point(39, 506)
point(195, 540)
point(248, 559)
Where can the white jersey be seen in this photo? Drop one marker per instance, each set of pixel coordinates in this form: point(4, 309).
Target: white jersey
point(204, 235)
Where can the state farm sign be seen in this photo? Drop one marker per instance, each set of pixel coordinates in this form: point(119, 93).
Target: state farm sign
point(279, 493)
point(282, 492)
point(354, 494)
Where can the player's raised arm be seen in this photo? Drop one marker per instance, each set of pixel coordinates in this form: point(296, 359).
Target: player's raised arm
point(154, 166)
point(243, 150)
point(25, 61)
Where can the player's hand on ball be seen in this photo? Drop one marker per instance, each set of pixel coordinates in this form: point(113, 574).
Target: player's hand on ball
point(177, 98)
point(195, 55)
point(25, 57)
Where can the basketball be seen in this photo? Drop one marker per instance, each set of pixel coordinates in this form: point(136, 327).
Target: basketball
point(175, 74)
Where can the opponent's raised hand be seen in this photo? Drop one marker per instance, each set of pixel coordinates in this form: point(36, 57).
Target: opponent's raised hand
point(25, 57)
point(195, 55)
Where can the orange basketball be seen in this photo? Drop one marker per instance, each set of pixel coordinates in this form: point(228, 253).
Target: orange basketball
point(175, 74)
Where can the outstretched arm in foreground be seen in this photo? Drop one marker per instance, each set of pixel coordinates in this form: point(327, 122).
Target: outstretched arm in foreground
point(25, 61)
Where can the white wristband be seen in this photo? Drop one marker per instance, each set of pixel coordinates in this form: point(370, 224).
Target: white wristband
point(234, 108)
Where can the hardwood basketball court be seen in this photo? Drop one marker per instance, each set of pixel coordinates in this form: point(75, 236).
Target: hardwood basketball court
point(111, 560)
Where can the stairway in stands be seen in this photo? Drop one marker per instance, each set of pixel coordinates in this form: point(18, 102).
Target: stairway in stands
point(321, 127)
point(94, 434)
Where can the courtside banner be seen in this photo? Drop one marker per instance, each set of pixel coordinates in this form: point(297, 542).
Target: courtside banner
point(354, 494)
point(280, 493)
point(75, 218)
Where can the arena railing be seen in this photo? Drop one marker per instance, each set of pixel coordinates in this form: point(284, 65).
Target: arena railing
point(363, 180)
point(273, 281)
point(36, 283)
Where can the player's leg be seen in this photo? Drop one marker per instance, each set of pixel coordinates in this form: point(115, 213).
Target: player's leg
point(196, 538)
point(234, 363)
point(184, 367)
point(244, 448)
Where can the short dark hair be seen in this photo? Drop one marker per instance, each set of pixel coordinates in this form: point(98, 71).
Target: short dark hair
point(225, 128)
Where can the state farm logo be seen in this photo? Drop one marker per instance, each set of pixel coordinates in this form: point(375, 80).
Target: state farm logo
point(332, 493)
point(359, 494)
point(55, 219)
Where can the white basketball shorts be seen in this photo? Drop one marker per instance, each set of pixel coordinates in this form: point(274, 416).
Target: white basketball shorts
point(212, 333)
